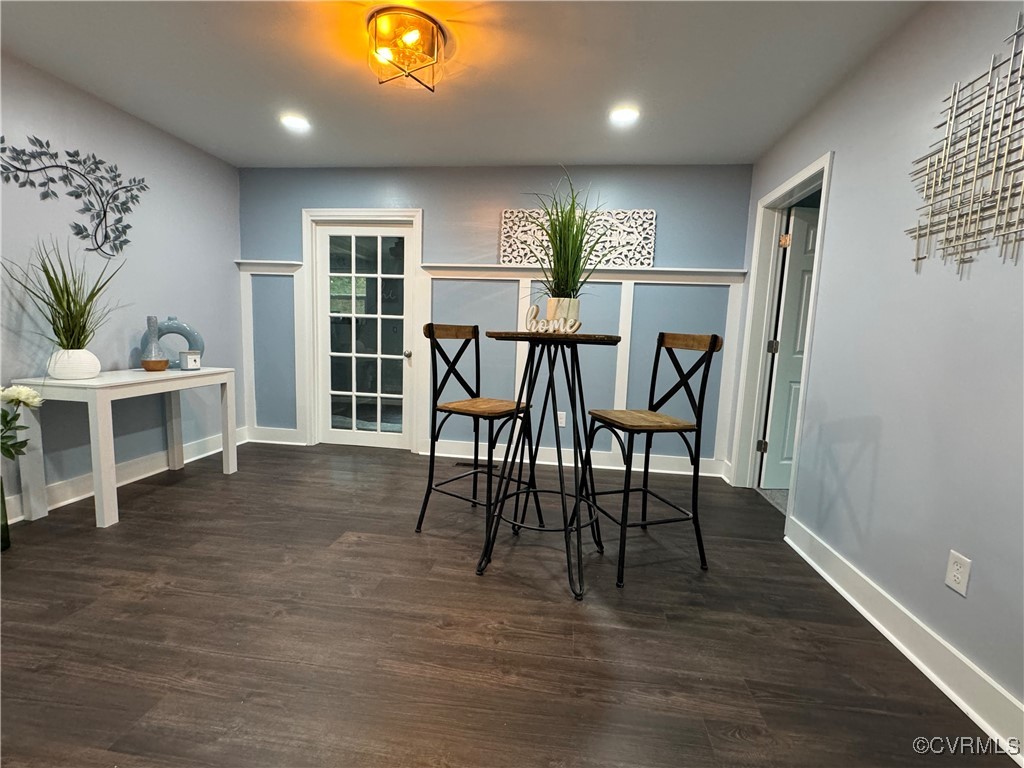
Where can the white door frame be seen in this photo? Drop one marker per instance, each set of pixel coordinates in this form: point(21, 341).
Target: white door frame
point(307, 339)
point(754, 366)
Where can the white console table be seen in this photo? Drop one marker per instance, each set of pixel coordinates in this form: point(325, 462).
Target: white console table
point(98, 393)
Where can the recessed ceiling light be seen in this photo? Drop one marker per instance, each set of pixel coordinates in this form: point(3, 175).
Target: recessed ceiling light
point(624, 116)
point(295, 123)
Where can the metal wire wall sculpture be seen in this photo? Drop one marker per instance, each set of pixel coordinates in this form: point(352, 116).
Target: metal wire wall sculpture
point(972, 180)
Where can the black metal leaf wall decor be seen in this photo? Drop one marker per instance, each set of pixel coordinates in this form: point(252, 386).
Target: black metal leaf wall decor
point(105, 196)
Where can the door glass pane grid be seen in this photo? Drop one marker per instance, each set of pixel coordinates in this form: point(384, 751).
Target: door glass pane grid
point(372, 289)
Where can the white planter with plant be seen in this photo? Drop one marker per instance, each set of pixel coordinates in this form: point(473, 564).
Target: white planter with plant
point(69, 300)
point(566, 253)
point(73, 364)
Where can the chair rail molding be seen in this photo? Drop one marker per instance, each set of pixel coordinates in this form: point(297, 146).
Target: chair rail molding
point(675, 275)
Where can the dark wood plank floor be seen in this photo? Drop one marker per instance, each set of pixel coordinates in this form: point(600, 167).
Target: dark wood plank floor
point(288, 616)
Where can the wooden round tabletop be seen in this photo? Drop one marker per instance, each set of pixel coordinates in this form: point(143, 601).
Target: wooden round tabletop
point(559, 338)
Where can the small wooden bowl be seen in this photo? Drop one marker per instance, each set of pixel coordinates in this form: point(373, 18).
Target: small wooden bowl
point(155, 365)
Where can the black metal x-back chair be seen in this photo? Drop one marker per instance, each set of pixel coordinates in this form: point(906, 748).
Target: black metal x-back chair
point(497, 414)
point(625, 425)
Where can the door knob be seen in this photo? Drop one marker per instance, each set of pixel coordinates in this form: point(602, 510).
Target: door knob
point(407, 354)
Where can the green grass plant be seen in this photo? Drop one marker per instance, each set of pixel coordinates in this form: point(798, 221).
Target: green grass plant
point(573, 232)
point(61, 289)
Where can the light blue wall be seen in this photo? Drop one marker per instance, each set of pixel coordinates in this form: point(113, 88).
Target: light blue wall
point(599, 313)
point(675, 309)
point(273, 342)
point(701, 210)
point(701, 215)
point(184, 240)
point(911, 441)
point(491, 304)
point(138, 431)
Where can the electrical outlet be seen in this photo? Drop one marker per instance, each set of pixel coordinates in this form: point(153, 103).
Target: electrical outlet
point(958, 571)
point(561, 418)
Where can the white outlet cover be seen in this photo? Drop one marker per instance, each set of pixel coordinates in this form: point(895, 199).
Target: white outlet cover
point(958, 572)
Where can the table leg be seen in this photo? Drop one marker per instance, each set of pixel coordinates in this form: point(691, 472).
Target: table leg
point(30, 465)
point(101, 443)
point(587, 489)
point(172, 417)
point(513, 448)
point(574, 521)
point(227, 425)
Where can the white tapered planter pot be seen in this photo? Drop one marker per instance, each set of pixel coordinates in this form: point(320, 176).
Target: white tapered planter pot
point(73, 364)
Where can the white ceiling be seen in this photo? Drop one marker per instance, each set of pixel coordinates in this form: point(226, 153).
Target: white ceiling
point(530, 83)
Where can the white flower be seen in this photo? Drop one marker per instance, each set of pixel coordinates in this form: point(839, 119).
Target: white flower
point(19, 395)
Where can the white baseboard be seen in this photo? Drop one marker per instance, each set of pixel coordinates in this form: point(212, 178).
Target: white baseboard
point(673, 465)
point(728, 472)
point(77, 488)
point(463, 449)
point(993, 708)
point(275, 435)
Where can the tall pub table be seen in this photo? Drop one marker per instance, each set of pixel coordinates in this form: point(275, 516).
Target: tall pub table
point(98, 393)
point(557, 354)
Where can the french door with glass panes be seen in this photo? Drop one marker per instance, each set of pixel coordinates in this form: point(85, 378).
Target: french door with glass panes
point(364, 362)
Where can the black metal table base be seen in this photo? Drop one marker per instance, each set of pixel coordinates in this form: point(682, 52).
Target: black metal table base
point(576, 494)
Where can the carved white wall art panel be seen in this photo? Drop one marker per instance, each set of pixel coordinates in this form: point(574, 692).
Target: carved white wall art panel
point(972, 179)
point(629, 242)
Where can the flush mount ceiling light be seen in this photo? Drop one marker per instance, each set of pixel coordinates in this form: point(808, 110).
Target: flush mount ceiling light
point(624, 116)
point(407, 44)
point(295, 123)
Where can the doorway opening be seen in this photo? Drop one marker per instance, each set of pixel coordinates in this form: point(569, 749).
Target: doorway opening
point(362, 319)
point(787, 347)
point(779, 332)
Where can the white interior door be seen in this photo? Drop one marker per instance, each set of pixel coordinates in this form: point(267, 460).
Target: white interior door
point(364, 359)
point(777, 465)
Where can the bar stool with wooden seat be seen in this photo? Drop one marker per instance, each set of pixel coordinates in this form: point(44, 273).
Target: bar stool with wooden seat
point(497, 414)
point(626, 425)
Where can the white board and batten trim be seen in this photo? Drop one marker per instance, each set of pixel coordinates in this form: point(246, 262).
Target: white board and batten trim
point(302, 278)
point(73, 489)
point(304, 300)
point(988, 704)
point(420, 295)
point(247, 269)
point(623, 347)
point(627, 279)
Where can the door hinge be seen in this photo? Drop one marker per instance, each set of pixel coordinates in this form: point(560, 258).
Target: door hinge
point(773, 347)
point(762, 446)
point(785, 240)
